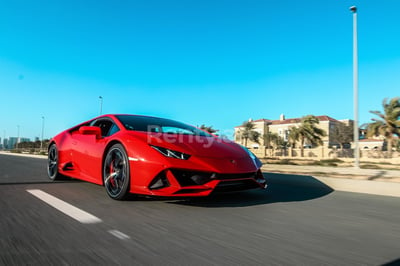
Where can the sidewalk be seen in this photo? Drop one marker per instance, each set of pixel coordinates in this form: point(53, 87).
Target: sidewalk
point(338, 172)
point(371, 181)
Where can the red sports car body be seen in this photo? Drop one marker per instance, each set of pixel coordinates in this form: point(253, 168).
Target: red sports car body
point(152, 156)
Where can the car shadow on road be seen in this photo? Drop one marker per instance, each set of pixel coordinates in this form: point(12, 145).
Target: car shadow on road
point(281, 188)
point(392, 263)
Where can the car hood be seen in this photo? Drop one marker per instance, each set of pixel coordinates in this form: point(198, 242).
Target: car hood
point(212, 147)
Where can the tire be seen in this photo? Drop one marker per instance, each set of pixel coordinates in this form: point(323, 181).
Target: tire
point(116, 172)
point(52, 163)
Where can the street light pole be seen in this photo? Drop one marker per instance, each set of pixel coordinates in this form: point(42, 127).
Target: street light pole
point(101, 104)
point(17, 136)
point(353, 9)
point(41, 142)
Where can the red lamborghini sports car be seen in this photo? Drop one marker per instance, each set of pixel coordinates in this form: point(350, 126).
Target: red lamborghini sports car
point(151, 156)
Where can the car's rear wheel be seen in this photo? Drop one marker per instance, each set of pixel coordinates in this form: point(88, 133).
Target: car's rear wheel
point(116, 172)
point(52, 163)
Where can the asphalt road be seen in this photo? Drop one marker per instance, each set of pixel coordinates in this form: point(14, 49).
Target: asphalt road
point(284, 225)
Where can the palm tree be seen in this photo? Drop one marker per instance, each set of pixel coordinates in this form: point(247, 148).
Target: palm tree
point(269, 139)
point(247, 132)
point(294, 136)
point(307, 131)
point(389, 124)
point(209, 129)
point(280, 143)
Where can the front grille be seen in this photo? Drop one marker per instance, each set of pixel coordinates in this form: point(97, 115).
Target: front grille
point(236, 176)
point(236, 185)
point(189, 191)
point(193, 178)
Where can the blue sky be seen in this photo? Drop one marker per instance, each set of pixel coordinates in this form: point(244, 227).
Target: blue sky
point(215, 62)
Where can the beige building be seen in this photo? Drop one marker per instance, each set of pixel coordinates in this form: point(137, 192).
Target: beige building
point(371, 144)
point(282, 128)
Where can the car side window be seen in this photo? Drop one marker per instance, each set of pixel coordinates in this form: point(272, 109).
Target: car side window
point(114, 129)
point(107, 127)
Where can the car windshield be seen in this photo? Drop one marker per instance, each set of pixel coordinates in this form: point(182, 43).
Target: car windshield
point(158, 125)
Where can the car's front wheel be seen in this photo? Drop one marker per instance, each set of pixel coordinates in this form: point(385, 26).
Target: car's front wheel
point(52, 163)
point(116, 172)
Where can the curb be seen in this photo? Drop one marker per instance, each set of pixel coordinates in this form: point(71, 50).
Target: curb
point(25, 155)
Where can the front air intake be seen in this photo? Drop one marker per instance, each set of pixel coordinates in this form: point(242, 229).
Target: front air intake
point(160, 181)
point(192, 178)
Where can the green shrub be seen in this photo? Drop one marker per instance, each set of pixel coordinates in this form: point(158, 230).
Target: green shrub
point(286, 161)
point(369, 166)
point(330, 162)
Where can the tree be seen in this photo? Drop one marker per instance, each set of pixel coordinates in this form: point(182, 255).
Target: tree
point(294, 135)
point(280, 143)
point(388, 124)
point(247, 132)
point(307, 131)
point(397, 145)
point(33, 144)
point(271, 140)
point(268, 138)
point(209, 129)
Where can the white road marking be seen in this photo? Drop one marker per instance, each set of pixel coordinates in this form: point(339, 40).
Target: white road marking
point(68, 209)
point(119, 234)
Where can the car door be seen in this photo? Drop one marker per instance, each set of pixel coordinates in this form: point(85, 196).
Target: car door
point(90, 148)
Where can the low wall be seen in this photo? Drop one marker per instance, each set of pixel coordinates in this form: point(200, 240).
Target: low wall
point(328, 153)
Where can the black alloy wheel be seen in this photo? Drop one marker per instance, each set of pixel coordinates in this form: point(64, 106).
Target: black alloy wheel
point(52, 163)
point(116, 172)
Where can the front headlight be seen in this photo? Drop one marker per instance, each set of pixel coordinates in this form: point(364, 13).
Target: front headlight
point(171, 153)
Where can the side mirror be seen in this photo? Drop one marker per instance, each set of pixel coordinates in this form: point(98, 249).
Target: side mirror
point(90, 130)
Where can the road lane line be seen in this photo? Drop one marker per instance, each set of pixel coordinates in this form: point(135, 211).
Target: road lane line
point(68, 209)
point(119, 234)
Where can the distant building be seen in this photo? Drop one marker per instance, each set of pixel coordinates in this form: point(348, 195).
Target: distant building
point(376, 143)
point(372, 144)
point(5, 144)
point(282, 128)
point(12, 142)
point(24, 140)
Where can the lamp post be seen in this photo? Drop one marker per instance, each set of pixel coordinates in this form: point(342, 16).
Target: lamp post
point(101, 104)
point(41, 142)
point(353, 9)
point(17, 137)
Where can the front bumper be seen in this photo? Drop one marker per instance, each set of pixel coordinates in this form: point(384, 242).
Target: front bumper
point(192, 183)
